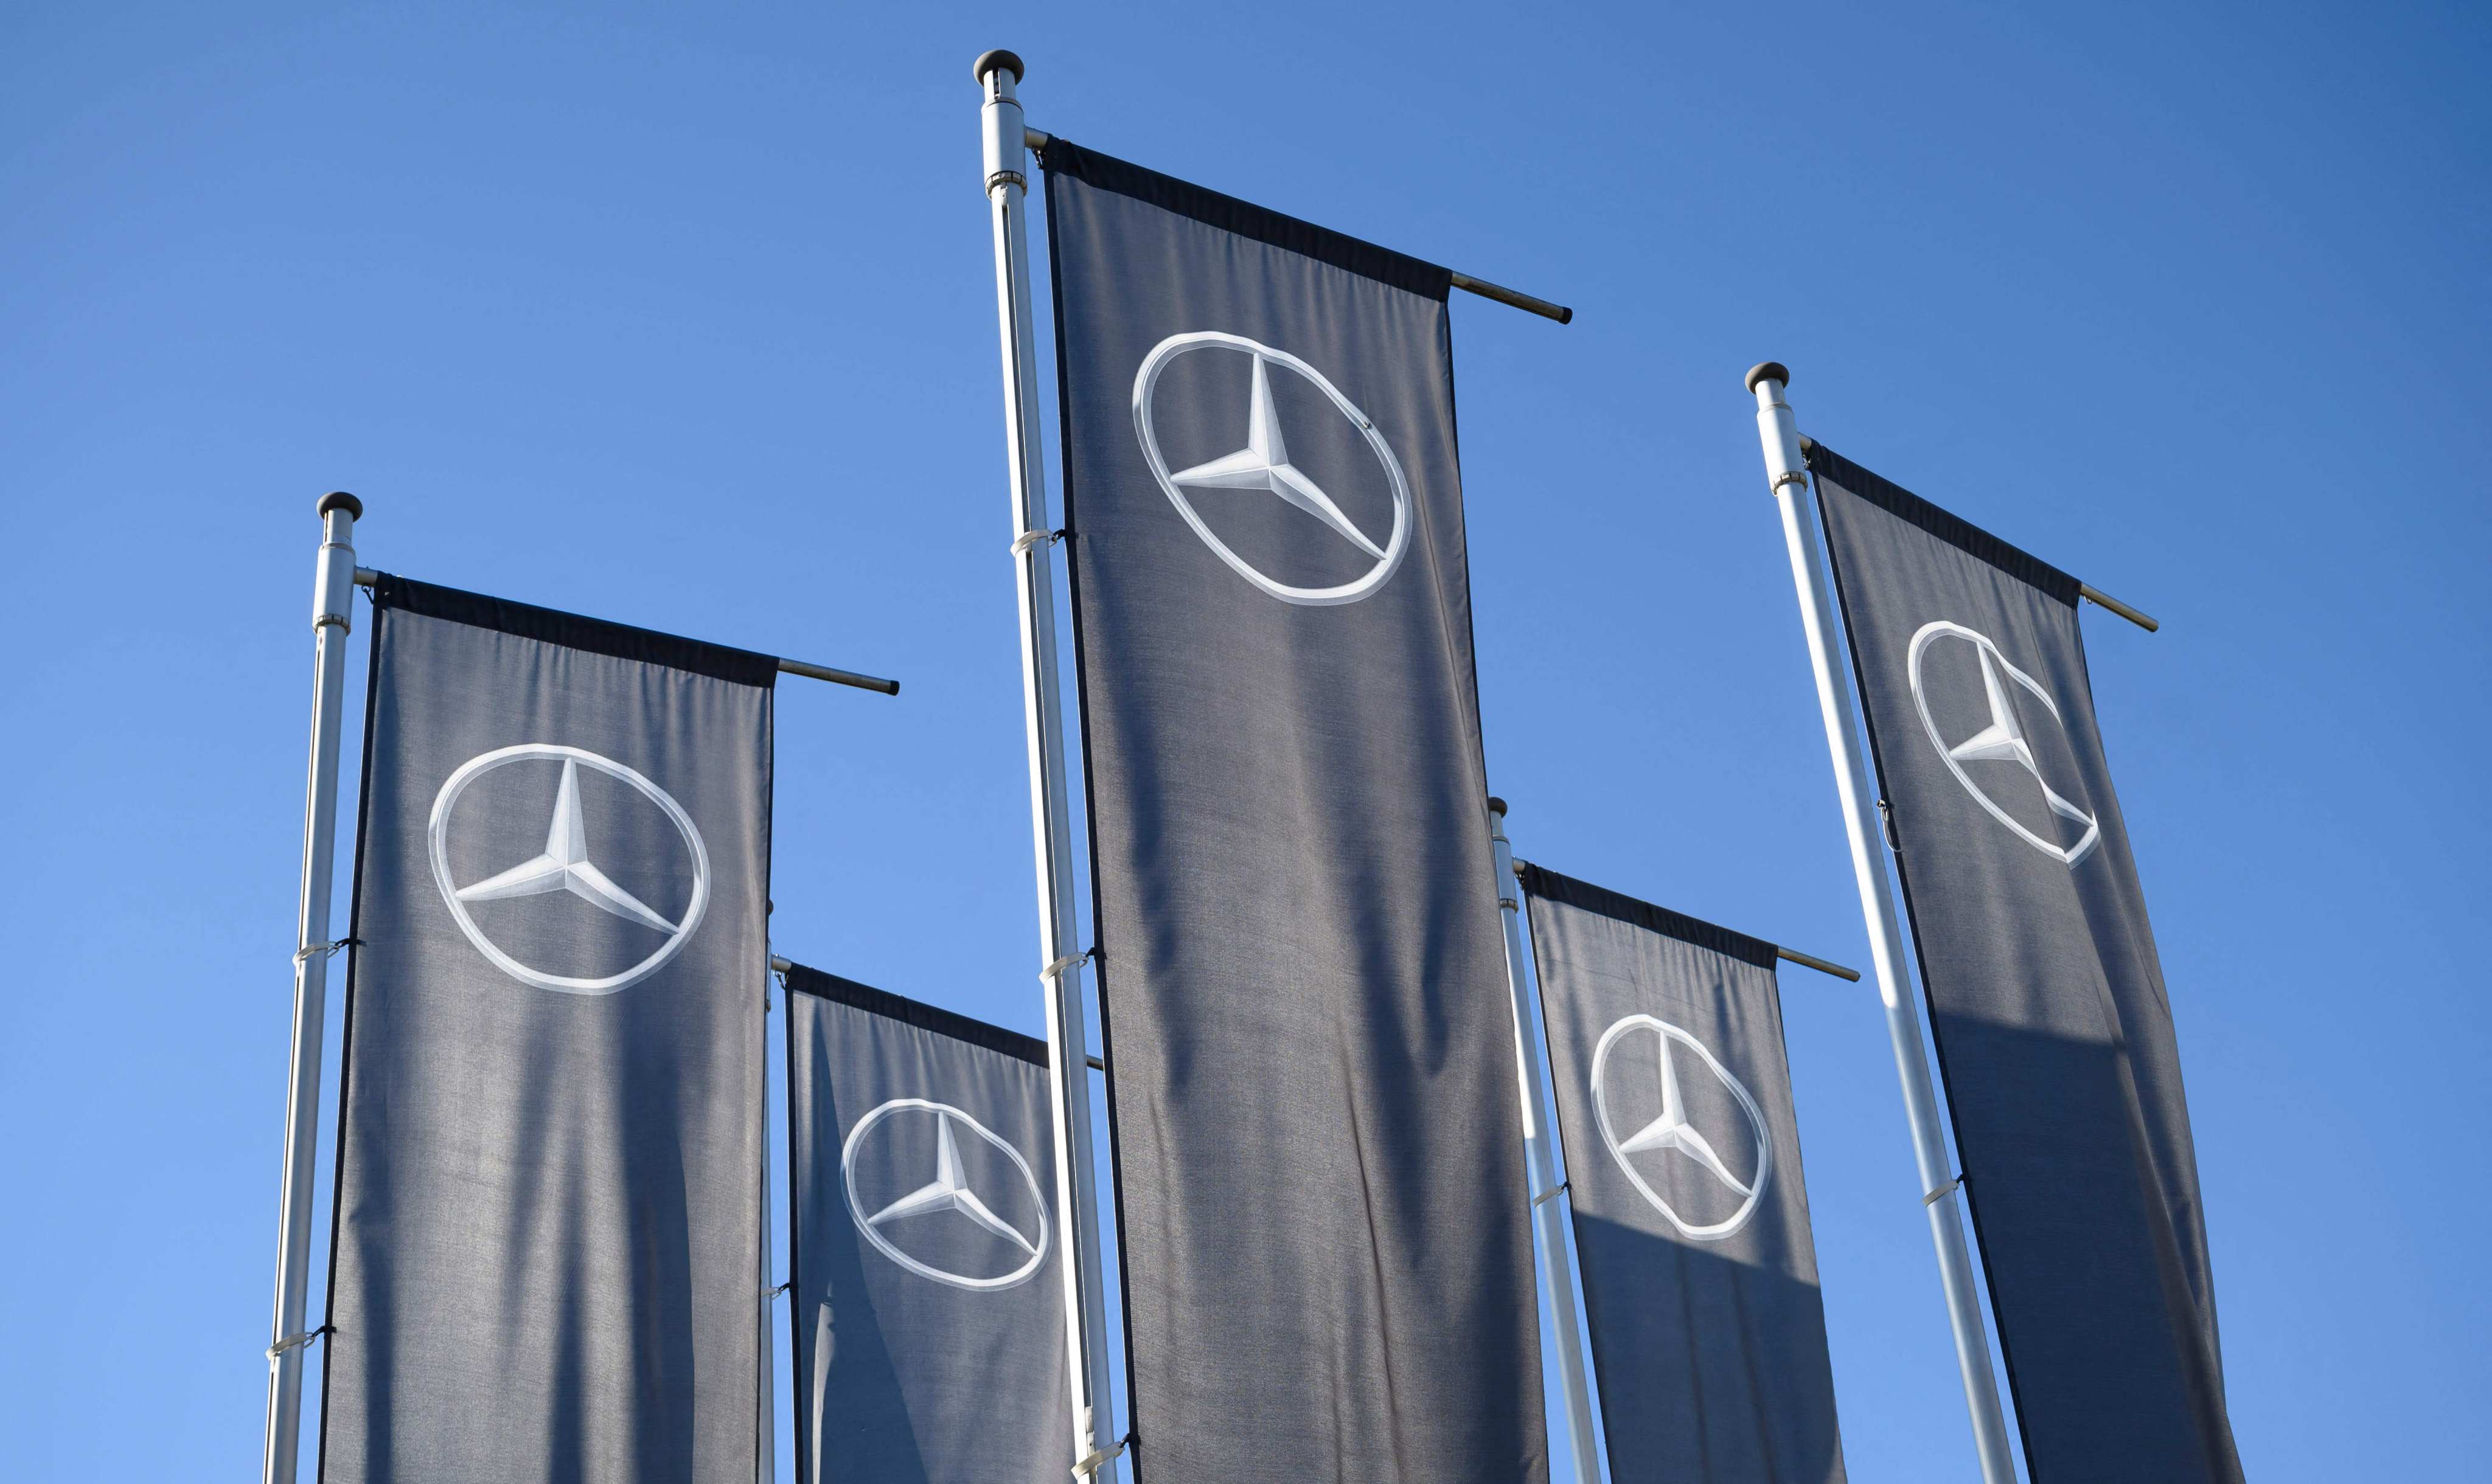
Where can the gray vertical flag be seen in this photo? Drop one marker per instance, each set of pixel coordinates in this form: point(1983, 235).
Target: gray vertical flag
point(546, 1262)
point(1682, 1167)
point(927, 1278)
point(2053, 1029)
point(1324, 1228)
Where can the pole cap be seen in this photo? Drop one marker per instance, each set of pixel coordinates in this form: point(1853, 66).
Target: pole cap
point(988, 61)
point(1767, 371)
point(339, 500)
point(1496, 805)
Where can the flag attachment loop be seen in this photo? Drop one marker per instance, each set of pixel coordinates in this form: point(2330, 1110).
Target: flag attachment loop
point(1028, 539)
point(1550, 1194)
point(298, 1341)
point(1944, 1191)
point(1101, 1458)
point(1068, 961)
point(774, 1293)
point(315, 949)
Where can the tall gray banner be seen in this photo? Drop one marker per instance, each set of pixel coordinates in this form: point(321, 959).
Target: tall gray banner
point(1682, 1167)
point(1326, 1245)
point(546, 1261)
point(2054, 1031)
point(927, 1280)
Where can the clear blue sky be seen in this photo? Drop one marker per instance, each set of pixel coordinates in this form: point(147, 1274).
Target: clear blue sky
point(689, 322)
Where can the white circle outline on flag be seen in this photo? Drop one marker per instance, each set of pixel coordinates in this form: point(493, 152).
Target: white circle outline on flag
point(1717, 1231)
point(437, 835)
point(856, 1208)
point(1929, 634)
point(1146, 379)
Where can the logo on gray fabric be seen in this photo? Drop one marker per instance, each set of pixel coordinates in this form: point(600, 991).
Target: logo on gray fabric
point(1670, 1130)
point(1263, 466)
point(566, 865)
point(2003, 740)
point(949, 1194)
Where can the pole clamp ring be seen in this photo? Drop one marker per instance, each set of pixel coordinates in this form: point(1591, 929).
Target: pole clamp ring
point(277, 1351)
point(1507, 903)
point(1944, 1191)
point(1788, 477)
point(1049, 973)
point(1006, 178)
point(1022, 542)
point(1550, 1194)
point(1101, 1458)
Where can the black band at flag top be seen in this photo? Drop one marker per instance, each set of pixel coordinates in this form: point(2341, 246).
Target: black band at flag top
point(2047, 1000)
point(1324, 1231)
point(546, 1256)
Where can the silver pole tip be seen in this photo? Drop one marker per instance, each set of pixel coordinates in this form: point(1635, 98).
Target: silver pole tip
point(988, 61)
point(1767, 371)
point(339, 500)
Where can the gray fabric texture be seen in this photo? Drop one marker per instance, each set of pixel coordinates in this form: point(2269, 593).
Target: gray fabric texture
point(1708, 1328)
point(546, 1261)
point(2053, 1030)
point(1325, 1239)
point(952, 1371)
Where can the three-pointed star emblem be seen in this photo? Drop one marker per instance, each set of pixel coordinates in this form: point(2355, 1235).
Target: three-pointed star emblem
point(1673, 1132)
point(947, 1192)
point(2004, 739)
point(565, 866)
point(1264, 465)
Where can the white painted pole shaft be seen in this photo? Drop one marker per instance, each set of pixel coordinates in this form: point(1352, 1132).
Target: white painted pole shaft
point(1557, 1273)
point(1788, 474)
point(766, 1450)
point(1050, 821)
point(333, 596)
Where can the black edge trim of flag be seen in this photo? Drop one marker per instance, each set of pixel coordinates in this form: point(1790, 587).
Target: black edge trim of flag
point(571, 630)
point(1062, 156)
point(1947, 526)
point(1550, 886)
point(915, 1012)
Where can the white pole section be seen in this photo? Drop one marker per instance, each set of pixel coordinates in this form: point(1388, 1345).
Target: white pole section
point(333, 596)
point(1557, 1273)
point(1788, 476)
point(1085, 1316)
point(766, 1450)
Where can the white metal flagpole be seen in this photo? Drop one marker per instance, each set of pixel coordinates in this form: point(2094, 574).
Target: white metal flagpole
point(333, 595)
point(1557, 1273)
point(1085, 1315)
point(1787, 473)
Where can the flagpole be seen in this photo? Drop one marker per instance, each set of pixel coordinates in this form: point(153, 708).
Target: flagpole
point(333, 610)
point(1095, 1443)
point(1787, 473)
point(1557, 1273)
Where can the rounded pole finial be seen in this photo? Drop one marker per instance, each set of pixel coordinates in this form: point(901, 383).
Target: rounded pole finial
point(1767, 371)
point(1496, 805)
point(339, 499)
point(988, 61)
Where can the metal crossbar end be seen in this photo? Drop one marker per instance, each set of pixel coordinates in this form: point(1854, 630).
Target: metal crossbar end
point(1101, 1458)
point(1068, 961)
point(1944, 1191)
point(1028, 539)
point(277, 1351)
point(2102, 600)
point(1550, 1194)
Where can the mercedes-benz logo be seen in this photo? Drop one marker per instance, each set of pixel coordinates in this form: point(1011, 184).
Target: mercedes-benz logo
point(948, 1192)
point(2004, 740)
point(1263, 465)
point(566, 865)
point(1671, 1129)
